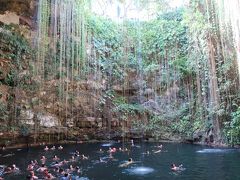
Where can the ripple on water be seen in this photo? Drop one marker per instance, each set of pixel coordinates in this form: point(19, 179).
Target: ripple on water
point(215, 150)
point(139, 170)
point(107, 144)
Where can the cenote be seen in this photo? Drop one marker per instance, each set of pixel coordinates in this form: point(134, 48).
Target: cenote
point(199, 162)
point(86, 71)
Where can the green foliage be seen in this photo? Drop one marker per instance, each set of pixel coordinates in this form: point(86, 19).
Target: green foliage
point(13, 45)
point(232, 128)
point(3, 112)
point(121, 106)
point(24, 130)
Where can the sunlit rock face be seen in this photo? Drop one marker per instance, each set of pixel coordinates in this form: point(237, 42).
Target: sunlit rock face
point(9, 18)
point(44, 119)
point(48, 120)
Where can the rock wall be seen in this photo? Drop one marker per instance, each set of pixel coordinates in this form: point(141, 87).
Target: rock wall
point(33, 108)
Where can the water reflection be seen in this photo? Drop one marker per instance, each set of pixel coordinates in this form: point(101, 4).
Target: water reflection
point(139, 170)
point(215, 150)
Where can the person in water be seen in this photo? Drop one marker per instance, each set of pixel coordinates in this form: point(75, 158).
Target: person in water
point(46, 148)
point(55, 158)
point(43, 159)
point(42, 168)
point(10, 169)
point(132, 142)
point(60, 147)
point(33, 176)
point(176, 168)
point(65, 177)
point(53, 148)
point(84, 157)
point(130, 161)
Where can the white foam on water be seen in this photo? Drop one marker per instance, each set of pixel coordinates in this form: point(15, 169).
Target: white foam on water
point(107, 144)
point(139, 170)
point(214, 150)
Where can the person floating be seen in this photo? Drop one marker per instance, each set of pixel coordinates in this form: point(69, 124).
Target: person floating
point(130, 161)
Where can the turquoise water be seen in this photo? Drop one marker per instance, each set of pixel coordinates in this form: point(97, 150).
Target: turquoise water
point(199, 162)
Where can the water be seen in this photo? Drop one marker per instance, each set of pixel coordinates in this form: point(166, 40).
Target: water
point(198, 162)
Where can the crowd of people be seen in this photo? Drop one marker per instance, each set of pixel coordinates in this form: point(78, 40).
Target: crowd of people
point(56, 168)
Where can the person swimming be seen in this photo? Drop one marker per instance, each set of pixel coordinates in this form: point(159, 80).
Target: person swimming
point(43, 159)
point(46, 148)
point(176, 168)
point(84, 157)
point(112, 150)
point(72, 159)
point(158, 151)
point(30, 167)
point(130, 161)
point(60, 147)
point(42, 168)
point(10, 169)
point(55, 158)
point(33, 176)
point(78, 170)
point(132, 143)
point(77, 153)
point(53, 148)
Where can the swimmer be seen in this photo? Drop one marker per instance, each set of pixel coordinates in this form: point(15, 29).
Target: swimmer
point(176, 168)
point(43, 159)
point(132, 142)
point(101, 160)
point(100, 150)
point(14, 168)
point(84, 157)
point(61, 171)
point(48, 175)
point(112, 150)
point(42, 168)
point(158, 151)
point(160, 146)
point(64, 161)
point(78, 170)
point(70, 169)
point(130, 161)
point(11, 169)
point(30, 167)
point(65, 177)
point(46, 148)
point(56, 164)
point(77, 153)
point(146, 153)
point(53, 148)
point(60, 147)
point(72, 159)
point(55, 158)
point(33, 176)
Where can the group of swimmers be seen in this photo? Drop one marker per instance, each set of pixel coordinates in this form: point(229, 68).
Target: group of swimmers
point(64, 174)
point(52, 148)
